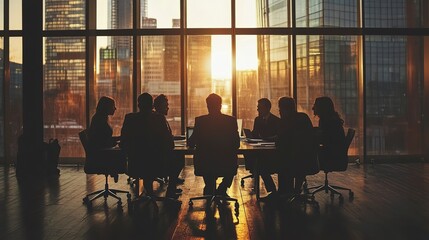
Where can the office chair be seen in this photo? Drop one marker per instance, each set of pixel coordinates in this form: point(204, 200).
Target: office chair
point(215, 198)
point(137, 170)
point(140, 198)
point(333, 189)
point(98, 169)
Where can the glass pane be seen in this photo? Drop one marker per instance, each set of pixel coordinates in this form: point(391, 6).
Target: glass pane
point(209, 13)
point(327, 13)
point(328, 66)
point(160, 14)
point(160, 58)
point(261, 13)
point(114, 77)
point(114, 14)
point(270, 79)
point(2, 16)
point(64, 92)
point(209, 71)
point(393, 13)
point(15, 14)
point(64, 15)
point(394, 94)
point(14, 98)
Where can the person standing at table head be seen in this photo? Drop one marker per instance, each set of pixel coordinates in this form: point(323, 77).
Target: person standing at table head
point(265, 127)
point(330, 132)
point(216, 140)
point(296, 147)
point(146, 138)
point(173, 162)
point(100, 132)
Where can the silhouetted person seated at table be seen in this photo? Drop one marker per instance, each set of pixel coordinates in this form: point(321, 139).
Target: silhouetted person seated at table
point(216, 140)
point(330, 133)
point(175, 162)
point(265, 127)
point(297, 148)
point(100, 132)
point(100, 138)
point(148, 143)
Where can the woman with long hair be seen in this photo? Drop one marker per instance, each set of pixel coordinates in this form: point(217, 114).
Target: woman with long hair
point(330, 133)
point(100, 131)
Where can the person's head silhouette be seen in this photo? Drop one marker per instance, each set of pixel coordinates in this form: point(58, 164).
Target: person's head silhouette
point(145, 102)
point(214, 103)
point(264, 107)
point(287, 106)
point(161, 104)
point(106, 106)
point(323, 106)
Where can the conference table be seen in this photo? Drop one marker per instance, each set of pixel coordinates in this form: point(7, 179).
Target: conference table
point(253, 146)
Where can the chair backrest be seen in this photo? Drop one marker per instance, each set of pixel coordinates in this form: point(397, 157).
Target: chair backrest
point(83, 136)
point(349, 137)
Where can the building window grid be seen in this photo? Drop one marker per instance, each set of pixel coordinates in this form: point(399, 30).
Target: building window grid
point(396, 9)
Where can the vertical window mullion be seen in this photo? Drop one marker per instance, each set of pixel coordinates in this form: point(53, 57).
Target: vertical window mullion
point(233, 61)
point(183, 69)
point(6, 81)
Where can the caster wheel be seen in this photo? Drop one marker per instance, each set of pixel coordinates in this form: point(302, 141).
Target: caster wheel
point(119, 203)
point(191, 204)
point(351, 194)
point(85, 200)
point(341, 199)
point(242, 182)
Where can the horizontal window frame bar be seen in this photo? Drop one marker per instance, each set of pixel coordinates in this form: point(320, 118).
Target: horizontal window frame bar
point(231, 31)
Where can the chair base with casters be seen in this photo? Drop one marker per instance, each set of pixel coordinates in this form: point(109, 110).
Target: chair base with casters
point(139, 198)
point(106, 192)
point(332, 189)
point(215, 198)
point(304, 197)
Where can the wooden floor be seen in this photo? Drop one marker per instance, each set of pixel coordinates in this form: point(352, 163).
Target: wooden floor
point(391, 202)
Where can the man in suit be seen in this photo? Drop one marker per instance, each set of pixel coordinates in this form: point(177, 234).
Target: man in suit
point(175, 162)
point(147, 142)
point(265, 127)
point(297, 148)
point(216, 140)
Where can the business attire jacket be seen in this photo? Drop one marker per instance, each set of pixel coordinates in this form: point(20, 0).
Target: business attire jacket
point(100, 133)
point(297, 146)
point(99, 158)
point(216, 140)
point(147, 142)
point(265, 128)
point(333, 150)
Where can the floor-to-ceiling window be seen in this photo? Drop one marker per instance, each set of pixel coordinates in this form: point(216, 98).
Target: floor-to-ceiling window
point(368, 56)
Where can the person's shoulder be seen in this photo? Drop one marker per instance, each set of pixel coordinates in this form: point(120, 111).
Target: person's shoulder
point(130, 115)
point(202, 117)
point(157, 115)
point(274, 117)
point(303, 115)
point(229, 117)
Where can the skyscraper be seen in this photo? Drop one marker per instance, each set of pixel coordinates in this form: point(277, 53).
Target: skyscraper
point(64, 75)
